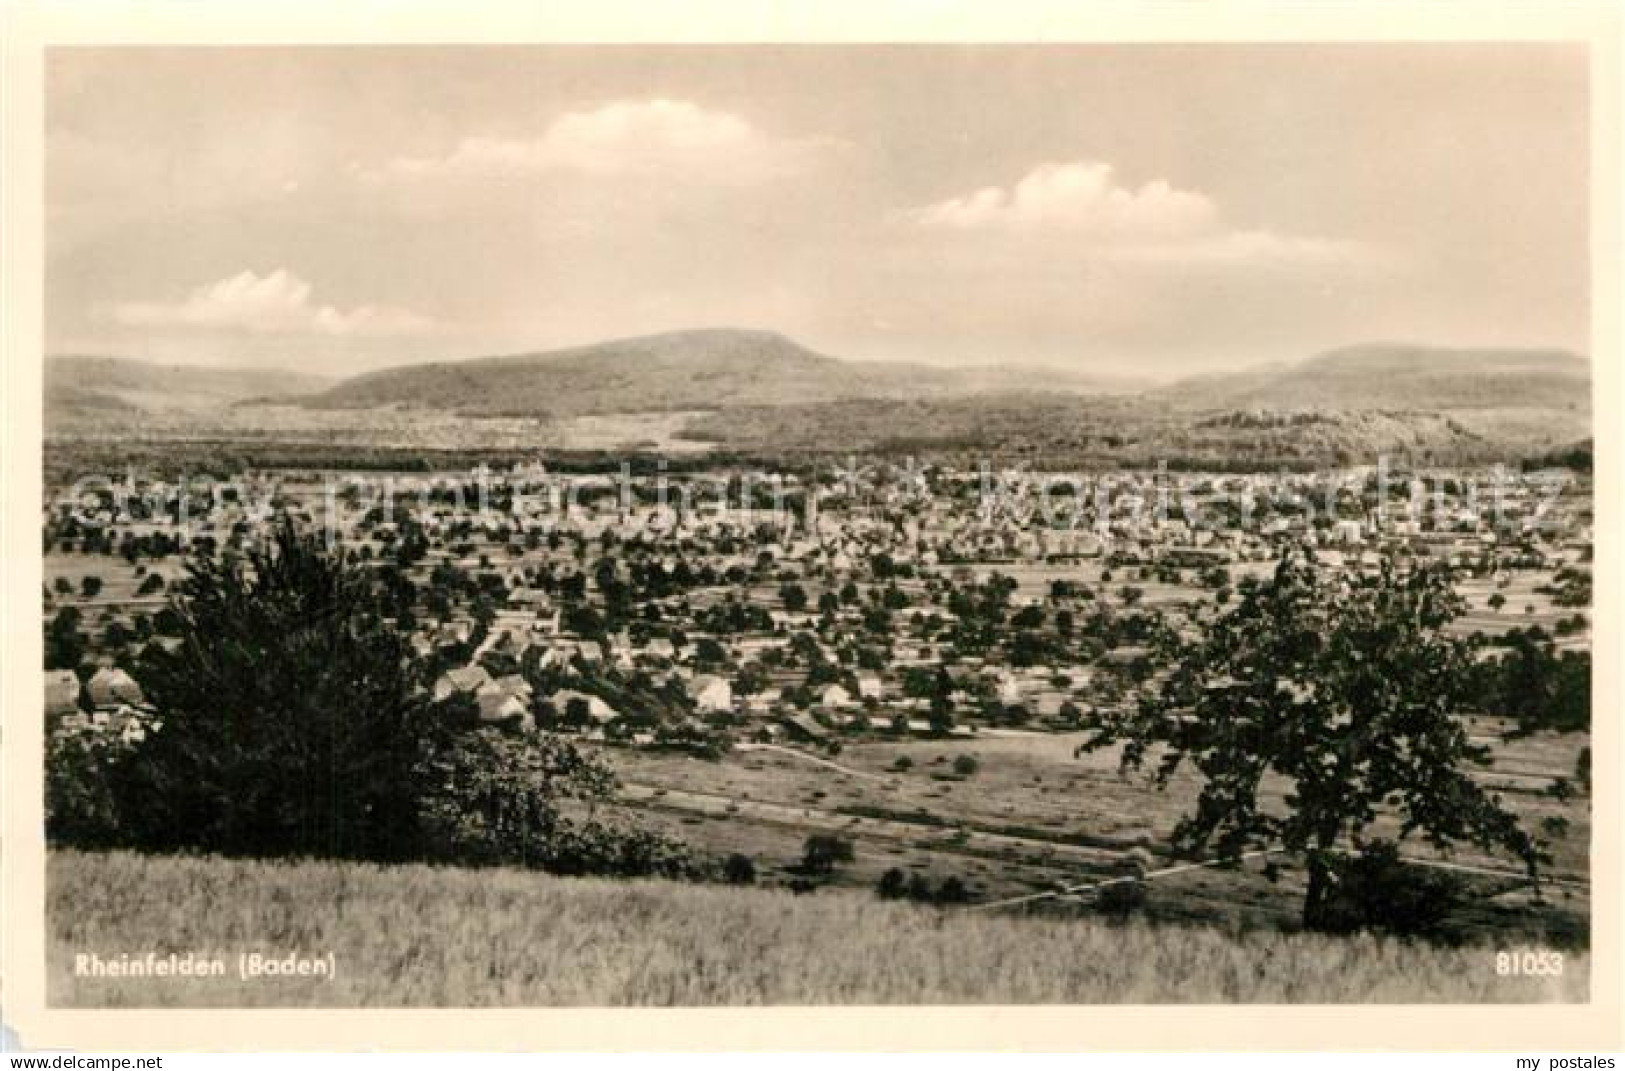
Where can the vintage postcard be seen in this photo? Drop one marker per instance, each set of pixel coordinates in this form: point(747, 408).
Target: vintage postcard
point(844, 524)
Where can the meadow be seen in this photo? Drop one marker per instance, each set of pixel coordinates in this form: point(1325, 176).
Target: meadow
point(422, 936)
point(1035, 815)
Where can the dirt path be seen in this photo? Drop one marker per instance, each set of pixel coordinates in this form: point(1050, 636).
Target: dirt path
point(811, 758)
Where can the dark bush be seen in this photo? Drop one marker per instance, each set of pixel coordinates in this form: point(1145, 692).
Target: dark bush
point(739, 870)
point(823, 851)
point(1121, 898)
point(80, 808)
point(64, 642)
point(1378, 891)
point(893, 885)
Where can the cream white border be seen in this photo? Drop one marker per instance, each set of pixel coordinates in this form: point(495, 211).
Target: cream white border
point(29, 27)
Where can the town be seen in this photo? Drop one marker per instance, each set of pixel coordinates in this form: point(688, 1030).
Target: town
point(830, 628)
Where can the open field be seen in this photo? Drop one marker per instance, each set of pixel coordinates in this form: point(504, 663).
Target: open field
point(425, 936)
point(1035, 816)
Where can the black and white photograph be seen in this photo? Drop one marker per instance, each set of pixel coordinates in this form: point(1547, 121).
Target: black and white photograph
point(835, 524)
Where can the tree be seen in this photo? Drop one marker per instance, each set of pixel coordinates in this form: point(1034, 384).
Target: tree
point(1345, 685)
point(823, 851)
point(709, 653)
point(1028, 617)
point(494, 799)
point(90, 586)
point(1535, 684)
point(64, 643)
point(294, 722)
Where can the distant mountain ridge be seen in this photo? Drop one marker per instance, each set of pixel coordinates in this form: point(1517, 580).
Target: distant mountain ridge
point(1397, 376)
point(84, 385)
point(701, 369)
point(762, 390)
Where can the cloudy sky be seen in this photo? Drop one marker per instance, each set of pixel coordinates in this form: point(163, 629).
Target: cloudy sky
point(1144, 209)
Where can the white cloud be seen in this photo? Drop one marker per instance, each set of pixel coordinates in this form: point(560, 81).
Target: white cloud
point(1079, 197)
point(278, 302)
point(1156, 223)
point(655, 138)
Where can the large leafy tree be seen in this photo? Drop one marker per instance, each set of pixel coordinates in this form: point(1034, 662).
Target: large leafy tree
point(292, 719)
point(1342, 688)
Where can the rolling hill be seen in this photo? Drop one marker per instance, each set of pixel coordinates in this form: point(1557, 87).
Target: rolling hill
point(761, 392)
point(86, 387)
point(715, 368)
point(1394, 376)
point(1437, 405)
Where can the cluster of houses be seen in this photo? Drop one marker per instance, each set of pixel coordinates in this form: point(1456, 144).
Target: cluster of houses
point(870, 535)
point(109, 701)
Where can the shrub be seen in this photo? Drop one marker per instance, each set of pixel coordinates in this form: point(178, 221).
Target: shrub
point(1121, 898)
point(893, 885)
point(823, 851)
point(1376, 890)
point(739, 870)
point(902, 763)
point(618, 852)
point(966, 765)
point(80, 806)
point(497, 798)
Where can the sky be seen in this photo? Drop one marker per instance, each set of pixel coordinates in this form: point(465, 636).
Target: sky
point(1145, 210)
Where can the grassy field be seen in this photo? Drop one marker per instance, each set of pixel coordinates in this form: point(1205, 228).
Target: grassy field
point(1035, 815)
point(425, 936)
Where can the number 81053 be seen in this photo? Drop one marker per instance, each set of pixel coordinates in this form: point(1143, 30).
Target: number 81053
point(1528, 963)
